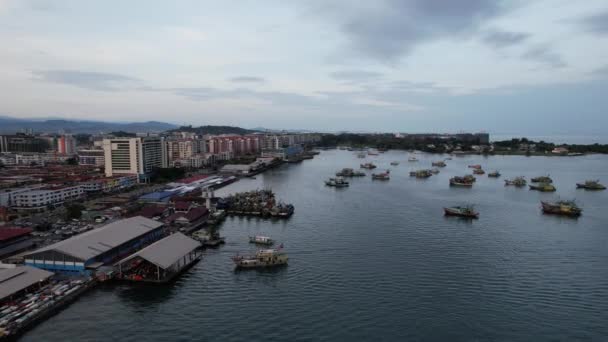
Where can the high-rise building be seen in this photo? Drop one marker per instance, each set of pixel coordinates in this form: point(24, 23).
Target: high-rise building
point(22, 143)
point(66, 144)
point(138, 155)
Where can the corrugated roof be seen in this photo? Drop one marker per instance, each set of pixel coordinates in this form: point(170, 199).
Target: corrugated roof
point(13, 280)
point(9, 233)
point(167, 251)
point(94, 242)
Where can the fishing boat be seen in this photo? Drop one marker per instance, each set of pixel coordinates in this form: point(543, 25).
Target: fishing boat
point(438, 164)
point(348, 172)
point(461, 182)
point(261, 240)
point(494, 174)
point(517, 181)
point(262, 258)
point(478, 171)
point(476, 166)
point(470, 178)
point(566, 208)
point(421, 173)
point(381, 176)
point(368, 166)
point(591, 185)
point(412, 159)
point(337, 182)
point(395, 163)
point(542, 179)
point(543, 187)
point(467, 211)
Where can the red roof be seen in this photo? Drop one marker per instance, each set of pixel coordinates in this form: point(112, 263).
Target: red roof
point(196, 213)
point(182, 205)
point(9, 233)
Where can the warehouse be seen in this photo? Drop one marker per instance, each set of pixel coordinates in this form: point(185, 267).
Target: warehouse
point(86, 252)
point(14, 240)
point(162, 260)
point(17, 280)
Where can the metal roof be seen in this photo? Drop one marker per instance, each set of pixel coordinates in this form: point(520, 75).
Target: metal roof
point(97, 241)
point(13, 280)
point(167, 251)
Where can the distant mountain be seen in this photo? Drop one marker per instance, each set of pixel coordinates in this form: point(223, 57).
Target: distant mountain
point(215, 130)
point(11, 125)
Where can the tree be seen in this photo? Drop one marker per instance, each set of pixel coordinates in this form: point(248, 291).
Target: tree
point(74, 211)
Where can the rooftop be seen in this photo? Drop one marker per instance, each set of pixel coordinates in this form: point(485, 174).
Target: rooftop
point(97, 241)
point(167, 251)
point(12, 232)
point(13, 280)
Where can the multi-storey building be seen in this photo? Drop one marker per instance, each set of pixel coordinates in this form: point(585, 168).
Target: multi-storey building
point(91, 157)
point(138, 156)
point(43, 198)
point(66, 144)
point(22, 143)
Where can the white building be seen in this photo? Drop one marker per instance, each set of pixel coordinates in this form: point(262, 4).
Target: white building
point(40, 199)
point(91, 157)
point(137, 156)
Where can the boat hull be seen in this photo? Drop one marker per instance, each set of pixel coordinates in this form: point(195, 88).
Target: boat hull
point(452, 212)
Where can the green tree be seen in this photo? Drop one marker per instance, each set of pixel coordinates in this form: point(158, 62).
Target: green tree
point(74, 211)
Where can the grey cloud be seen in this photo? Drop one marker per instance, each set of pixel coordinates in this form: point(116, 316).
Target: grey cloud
point(545, 55)
point(247, 79)
point(85, 79)
point(394, 27)
point(355, 75)
point(500, 39)
point(597, 23)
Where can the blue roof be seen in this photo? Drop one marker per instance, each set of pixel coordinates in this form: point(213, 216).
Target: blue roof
point(159, 196)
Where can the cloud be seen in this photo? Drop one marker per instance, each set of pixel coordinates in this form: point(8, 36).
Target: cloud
point(544, 55)
point(247, 79)
point(500, 39)
point(85, 79)
point(355, 75)
point(597, 23)
point(390, 29)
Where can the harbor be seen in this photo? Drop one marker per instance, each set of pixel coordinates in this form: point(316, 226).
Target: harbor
point(329, 228)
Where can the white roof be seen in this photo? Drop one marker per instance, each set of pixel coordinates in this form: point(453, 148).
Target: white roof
point(97, 241)
point(167, 251)
point(13, 280)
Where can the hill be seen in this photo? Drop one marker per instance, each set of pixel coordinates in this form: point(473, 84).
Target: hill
point(215, 130)
point(10, 125)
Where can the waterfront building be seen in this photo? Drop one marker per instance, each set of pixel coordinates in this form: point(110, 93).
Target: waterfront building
point(14, 240)
point(84, 253)
point(138, 156)
point(14, 281)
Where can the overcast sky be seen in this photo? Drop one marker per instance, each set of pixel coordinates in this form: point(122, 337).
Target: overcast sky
point(421, 65)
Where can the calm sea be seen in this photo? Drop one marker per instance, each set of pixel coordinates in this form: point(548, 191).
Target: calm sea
point(379, 261)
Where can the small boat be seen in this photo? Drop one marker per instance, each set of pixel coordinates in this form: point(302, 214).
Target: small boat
point(360, 155)
point(421, 173)
point(543, 187)
point(261, 240)
point(395, 163)
point(476, 166)
point(566, 208)
point(372, 152)
point(412, 159)
point(470, 178)
point(467, 211)
point(518, 182)
point(542, 179)
point(461, 181)
point(591, 185)
point(478, 171)
point(381, 176)
point(438, 164)
point(494, 174)
point(368, 166)
point(337, 182)
point(348, 172)
point(262, 258)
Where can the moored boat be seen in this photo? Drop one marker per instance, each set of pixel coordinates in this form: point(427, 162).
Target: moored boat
point(467, 211)
point(395, 163)
point(476, 166)
point(494, 174)
point(348, 172)
point(368, 166)
point(461, 182)
point(262, 258)
point(517, 181)
point(543, 187)
point(438, 164)
point(478, 171)
point(412, 159)
point(421, 173)
point(381, 176)
point(542, 179)
point(337, 182)
point(261, 240)
point(591, 185)
point(566, 208)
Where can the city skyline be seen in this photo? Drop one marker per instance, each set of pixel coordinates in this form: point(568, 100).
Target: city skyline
point(382, 66)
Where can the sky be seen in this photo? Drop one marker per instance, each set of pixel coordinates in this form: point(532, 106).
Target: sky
point(521, 67)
